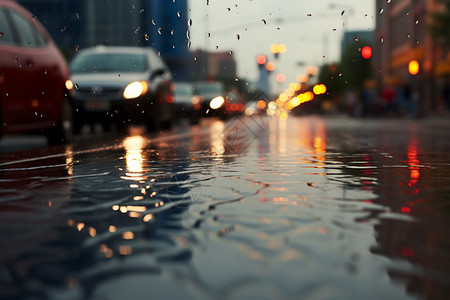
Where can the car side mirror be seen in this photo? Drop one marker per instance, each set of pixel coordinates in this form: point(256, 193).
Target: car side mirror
point(156, 73)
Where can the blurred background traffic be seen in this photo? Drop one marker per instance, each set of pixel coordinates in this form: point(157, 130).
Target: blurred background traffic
point(363, 59)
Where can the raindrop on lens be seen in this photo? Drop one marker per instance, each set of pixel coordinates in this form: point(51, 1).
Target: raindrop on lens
point(238, 36)
point(159, 30)
point(189, 22)
point(188, 34)
point(172, 32)
point(356, 38)
point(178, 14)
point(381, 11)
point(264, 22)
point(146, 37)
point(2, 34)
point(153, 22)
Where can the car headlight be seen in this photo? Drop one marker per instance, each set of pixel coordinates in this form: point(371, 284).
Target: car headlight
point(216, 102)
point(135, 89)
point(69, 84)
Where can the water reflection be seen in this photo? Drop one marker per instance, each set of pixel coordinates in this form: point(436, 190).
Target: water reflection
point(134, 146)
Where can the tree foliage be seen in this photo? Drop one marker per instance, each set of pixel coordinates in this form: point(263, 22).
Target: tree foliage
point(331, 76)
point(355, 69)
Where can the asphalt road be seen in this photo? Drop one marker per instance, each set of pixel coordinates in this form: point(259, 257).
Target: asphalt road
point(303, 208)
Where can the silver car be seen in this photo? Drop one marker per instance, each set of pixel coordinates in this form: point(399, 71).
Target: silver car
point(121, 85)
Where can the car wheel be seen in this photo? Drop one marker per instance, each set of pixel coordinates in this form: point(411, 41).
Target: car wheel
point(63, 131)
point(166, 124)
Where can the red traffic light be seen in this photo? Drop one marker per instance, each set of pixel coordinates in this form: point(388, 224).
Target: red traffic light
point(366, 52)
point(261, 59)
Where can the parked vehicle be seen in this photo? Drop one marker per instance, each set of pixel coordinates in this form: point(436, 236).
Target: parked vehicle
point(187, 105)
point(122, 85)
point(34, 78)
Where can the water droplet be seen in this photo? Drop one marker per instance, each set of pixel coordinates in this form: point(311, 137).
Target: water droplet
point(188, 34)
point(77, 86)
point(16, 60)
point(231, 52)
point(417, 21)
point(189, 22)
point(208, 34)
point(141, 11)
point(159, 53)
point(388, 1)
point(189, 44)
point(228, 9)
point(264, 22)
point(45, 72)
point(381, 40)
point(178, 14)
point(356, 38)
point(2, 34)
point(159, 30)
point(77, 15)
point(309, 15)
point(408, 35)
point(334, 29)
point(340, 74)
point(63, 29)
point(207, 2)
point(77, 48)
point(153, 22)
point(147, 37)
point(172, 32)
point(137, 29)
point(342, 13)
point(381, 11)
point(217, 47)
point(7, 94)
point(238, 36)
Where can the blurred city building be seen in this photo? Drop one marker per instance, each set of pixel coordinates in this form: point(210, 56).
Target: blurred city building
point(212, 65)
point(403, 36)
point(78, 24)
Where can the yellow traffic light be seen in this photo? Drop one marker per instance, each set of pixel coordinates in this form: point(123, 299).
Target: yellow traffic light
point(413, 67)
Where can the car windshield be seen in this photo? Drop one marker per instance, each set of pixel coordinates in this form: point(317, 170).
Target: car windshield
point(183, 90)
point(109, 63)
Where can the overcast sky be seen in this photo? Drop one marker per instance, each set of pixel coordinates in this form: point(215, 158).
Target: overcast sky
point(310, 30)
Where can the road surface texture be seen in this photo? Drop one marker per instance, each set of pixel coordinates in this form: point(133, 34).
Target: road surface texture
point(251, 208)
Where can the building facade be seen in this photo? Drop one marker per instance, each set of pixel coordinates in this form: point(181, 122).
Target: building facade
point(403, 35)
point(77, 24)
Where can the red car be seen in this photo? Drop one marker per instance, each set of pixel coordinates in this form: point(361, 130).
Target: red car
point(34, 78)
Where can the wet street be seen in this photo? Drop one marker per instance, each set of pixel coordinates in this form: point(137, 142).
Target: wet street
point(251, 208)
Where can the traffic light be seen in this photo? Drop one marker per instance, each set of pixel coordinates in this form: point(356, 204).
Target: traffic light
point(261, 60)
point(366, 52)
point(413, 67)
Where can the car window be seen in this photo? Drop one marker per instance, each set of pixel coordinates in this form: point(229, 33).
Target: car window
point(109, 63)
point(28, 35)
point(6, 34)
point(183, 90)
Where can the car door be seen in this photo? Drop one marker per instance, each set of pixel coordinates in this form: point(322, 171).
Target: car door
point(28, 77)
point(14, 96)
